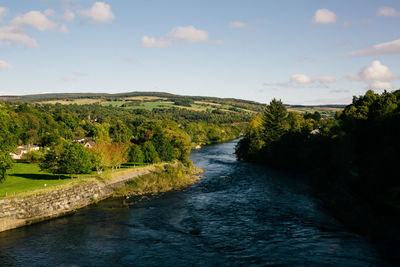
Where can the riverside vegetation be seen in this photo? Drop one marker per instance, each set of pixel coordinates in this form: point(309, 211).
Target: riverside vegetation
point(165, 178)
point(352, 158)
point(88, 136)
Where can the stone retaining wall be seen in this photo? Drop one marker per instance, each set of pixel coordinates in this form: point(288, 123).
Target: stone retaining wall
point(17, 212)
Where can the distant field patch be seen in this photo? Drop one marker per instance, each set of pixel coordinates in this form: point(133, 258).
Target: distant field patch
point(113, 103)
point(145, 98)
point(328, 112)
point(79, 101)
point(151, 105)
point(206, 103)
point(313, 109)
point(193, 107)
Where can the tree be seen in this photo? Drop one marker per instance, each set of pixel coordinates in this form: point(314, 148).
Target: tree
point(8, 128)
point(163, 147)
point(117, 154)
point(67, 158)
point(74, 160)
point(101, 133)
point(181, 143)
point(150, 153)
point(119, 132)
point(8, 140)
point(51, 159)
point(315, 116)
point(136, 155)
point(274, 121)
point(5, 164)
point(99, 157)
point(251, 144)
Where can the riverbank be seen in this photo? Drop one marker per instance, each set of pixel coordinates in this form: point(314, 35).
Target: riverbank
point(170, 177)
point(53, 202)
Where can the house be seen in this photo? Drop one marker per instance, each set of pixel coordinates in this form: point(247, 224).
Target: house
point(24, 149)
point(89, 144)
point(86, 141)
point(315, 131)
point(81, 140)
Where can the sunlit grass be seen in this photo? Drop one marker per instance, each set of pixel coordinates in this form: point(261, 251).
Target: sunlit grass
point(27, 178)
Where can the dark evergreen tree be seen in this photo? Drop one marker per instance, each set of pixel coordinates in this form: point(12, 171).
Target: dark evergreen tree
point(274, 121)
point(136, 155)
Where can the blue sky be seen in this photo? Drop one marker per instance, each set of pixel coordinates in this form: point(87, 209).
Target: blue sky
point(303, 52)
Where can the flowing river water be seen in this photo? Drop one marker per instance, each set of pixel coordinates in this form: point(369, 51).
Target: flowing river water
point(237, 214)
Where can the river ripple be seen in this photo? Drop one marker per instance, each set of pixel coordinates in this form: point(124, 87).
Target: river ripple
point(237, 214)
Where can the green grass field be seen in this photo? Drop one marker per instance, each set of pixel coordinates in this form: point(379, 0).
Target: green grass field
point(24, 178)
point(27, 177)
point(324, 111)
point(152, 105)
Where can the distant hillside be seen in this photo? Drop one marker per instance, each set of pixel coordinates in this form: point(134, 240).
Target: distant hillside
point(162, 100)
point(144, 100)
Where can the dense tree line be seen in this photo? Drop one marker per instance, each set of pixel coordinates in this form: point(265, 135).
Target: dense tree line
point(352, 157)
point(116, 135)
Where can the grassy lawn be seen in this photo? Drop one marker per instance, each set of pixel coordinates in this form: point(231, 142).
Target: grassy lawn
point(26, 178)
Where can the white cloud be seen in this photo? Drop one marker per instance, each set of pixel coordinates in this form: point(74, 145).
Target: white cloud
point(64, 29)
point(188, 34)
point(4, 65)
point(11, 35)
point(153, 42)
point(300, 78)
point(49, 12)
point(377, 75)
point(68, 15)
point(219, 42)
point(238, 25)
point(324, 16)
point(381, 85)
point(376, 72)
point(100, 12)
point(392, 47)
point(388, 12)
point(3, 12)
point(34, 19)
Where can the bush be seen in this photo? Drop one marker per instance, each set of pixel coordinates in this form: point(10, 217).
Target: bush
point(33, 156)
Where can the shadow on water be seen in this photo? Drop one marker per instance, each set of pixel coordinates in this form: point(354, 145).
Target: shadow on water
point(237, 214)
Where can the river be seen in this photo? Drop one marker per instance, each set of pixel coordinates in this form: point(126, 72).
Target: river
point(237, 214)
